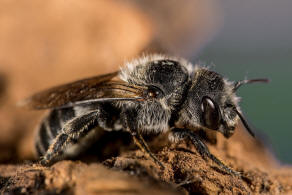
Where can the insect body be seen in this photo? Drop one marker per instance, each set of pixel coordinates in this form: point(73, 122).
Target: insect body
point(151, 94)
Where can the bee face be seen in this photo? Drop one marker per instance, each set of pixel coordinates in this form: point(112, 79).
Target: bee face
point(210, 103)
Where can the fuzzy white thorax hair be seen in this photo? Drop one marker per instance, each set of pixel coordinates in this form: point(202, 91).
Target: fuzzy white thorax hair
point(145, 59)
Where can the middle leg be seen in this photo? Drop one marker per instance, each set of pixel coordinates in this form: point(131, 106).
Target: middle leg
point(140, 142)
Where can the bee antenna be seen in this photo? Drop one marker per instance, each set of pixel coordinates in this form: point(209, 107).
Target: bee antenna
point(239, 83)
point(244, 122)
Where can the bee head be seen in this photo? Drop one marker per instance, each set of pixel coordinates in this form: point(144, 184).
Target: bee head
point(212, 103)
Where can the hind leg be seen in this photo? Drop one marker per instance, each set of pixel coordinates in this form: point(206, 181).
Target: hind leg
point(71, 133)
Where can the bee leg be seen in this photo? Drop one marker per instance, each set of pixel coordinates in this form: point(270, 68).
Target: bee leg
point(140, 142)
point(130, 125)
point(179, 134)
point(70, 134)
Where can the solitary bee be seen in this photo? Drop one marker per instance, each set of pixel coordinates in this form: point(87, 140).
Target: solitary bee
point(154, 93)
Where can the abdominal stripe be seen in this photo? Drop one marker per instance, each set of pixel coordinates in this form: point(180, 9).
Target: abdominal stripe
point(51, 127)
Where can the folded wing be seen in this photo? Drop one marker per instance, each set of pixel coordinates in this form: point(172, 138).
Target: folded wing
point(95, 89)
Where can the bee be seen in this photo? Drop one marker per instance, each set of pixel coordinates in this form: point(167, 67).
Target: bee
point(152, 94)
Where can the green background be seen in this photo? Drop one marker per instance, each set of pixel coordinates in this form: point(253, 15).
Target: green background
point(255, 42)
point(267, 106)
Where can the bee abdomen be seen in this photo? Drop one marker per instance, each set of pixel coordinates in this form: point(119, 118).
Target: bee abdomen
point(50, 128)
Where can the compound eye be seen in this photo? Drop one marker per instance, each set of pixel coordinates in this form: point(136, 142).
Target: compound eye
point(210, 113)
point(154, 92)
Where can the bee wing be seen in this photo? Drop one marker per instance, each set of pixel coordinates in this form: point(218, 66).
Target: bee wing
point(94, 89)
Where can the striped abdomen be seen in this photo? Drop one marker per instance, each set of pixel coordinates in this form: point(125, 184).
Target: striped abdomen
point(105, 117)
point(51, 126)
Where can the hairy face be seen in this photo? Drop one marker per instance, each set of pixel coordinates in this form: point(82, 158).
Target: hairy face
point(165, 82)
point(210, 103)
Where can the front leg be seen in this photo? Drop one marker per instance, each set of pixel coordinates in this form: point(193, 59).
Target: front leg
point(180, 134)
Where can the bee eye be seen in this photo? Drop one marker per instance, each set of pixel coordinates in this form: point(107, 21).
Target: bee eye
point(154, 92)
point(210, 113)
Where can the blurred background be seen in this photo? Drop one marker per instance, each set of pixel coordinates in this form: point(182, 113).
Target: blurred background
point(48, 43)
point(255, 41)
